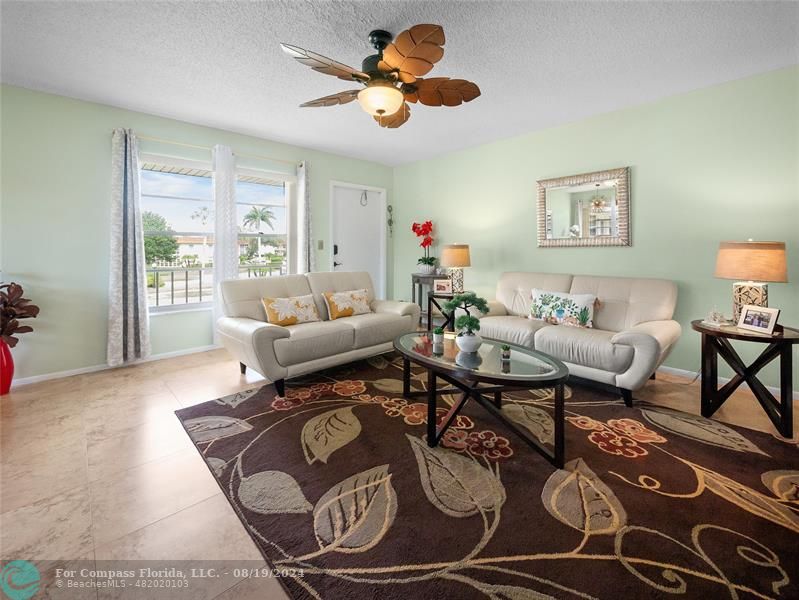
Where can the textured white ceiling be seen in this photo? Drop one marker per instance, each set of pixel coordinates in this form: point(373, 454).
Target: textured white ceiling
point(538, 64)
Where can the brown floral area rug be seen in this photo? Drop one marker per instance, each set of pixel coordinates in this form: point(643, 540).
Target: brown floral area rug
point(339, 489)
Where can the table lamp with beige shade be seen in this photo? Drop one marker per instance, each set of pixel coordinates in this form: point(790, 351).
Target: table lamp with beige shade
point(455, 257)
point(753, 264)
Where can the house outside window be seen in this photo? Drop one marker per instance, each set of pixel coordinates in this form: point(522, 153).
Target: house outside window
point(178, 221)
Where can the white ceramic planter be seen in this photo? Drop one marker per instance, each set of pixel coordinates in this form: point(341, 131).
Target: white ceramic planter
point(469, 343)
point(427, 269)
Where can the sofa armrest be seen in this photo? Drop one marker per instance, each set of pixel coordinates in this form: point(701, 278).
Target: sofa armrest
point(495, 309)
point(652, 342)
point(397, 307)
point(665, 333)
point(251, 342)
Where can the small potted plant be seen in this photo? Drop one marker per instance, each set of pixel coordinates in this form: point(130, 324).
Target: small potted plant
point(438, 335)
point(427, 263)
point(13, 307)
point(467, 340)
point(505, 352)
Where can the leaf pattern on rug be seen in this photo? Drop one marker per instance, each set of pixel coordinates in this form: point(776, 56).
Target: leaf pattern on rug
point(217, 465)
point(392, 386)
point(512, 592)
point(355, 514)
point(750, 500)
point(456, 485)
point(577, 497)
point(700, 429)
point(324, 434)
point(537, 421)
point(235, 399)
point(784, 484)
point(272, 492)
point(206, 429)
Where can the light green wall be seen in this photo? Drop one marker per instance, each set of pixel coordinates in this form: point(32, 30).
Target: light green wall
point(716, 164)
point(54, 217)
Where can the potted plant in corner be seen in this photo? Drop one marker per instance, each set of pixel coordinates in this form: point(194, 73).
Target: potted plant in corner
point(427, 264)
point(13, 307)
point(467, 340)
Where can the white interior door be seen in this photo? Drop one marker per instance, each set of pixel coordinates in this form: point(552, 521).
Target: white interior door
point(358, 231)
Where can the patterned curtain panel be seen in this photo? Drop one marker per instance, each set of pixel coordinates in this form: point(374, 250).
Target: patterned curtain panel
point(226, 254)
point(305, 252)
point(128, 320)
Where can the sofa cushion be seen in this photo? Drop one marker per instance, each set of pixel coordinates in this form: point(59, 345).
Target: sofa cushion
point(376, 328)
point(308, 341)
point(576, 310)
point(290, 311)
point(338, 281)
point(346, 304)
point(242, 297)
point(513, 288)
point(511, 329)
point(587, 347)
point(625, 301)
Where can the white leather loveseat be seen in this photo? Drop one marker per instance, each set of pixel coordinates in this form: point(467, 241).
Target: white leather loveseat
point(632, 335)
point(278, 352)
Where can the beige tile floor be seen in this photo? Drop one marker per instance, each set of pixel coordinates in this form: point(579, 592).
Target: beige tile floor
point(97, 467)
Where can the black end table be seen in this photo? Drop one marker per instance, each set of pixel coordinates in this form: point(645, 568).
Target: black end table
point(418, 281)
point(716, 342)
point(432, 300)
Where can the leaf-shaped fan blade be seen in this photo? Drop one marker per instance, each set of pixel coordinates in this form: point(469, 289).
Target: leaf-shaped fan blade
point(414, 52)
point(397, 119)
point(438, 91)
point(333, 99)
point(323, 64)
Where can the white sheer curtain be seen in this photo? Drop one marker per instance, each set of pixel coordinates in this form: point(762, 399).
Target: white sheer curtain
point(226, 256)
point(305, 252)
point(128, 319)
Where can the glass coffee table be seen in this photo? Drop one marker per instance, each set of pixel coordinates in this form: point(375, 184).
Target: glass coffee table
point(482, 373)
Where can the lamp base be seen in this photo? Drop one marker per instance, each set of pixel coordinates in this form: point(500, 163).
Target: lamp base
point(747, 292)
point(456, 274)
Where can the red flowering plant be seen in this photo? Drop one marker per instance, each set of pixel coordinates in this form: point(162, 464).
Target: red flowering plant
point(423, 231)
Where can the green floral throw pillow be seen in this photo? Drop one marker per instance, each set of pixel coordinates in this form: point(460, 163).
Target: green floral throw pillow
point(563, 309)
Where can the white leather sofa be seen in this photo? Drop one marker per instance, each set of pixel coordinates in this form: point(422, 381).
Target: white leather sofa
point(633, 329)
point(280, 352)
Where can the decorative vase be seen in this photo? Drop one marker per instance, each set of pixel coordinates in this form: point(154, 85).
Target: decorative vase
point(469, 342)
point(6, 368)
point(438, 338)
point(427, 269)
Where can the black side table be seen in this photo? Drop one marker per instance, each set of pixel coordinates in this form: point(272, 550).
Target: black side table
point(418, 281)
point(432, 300)
point(715, 342)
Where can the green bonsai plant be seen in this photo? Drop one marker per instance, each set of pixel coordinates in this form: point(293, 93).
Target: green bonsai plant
point(467, 324)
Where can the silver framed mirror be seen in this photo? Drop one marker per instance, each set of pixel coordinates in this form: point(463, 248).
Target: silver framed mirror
point(589, 209)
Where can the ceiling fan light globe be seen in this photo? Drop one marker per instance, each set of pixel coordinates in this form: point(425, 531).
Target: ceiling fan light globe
point(380, 100)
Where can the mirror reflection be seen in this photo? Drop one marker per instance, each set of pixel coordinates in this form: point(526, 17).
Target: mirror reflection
point(588, 210)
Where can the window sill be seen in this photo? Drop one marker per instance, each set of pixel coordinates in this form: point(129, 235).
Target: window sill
point(160, 312)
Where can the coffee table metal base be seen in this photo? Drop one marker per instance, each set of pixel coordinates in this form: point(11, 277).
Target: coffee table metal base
point(473, 390)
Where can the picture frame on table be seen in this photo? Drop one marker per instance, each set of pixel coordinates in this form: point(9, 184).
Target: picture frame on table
point(759, 318)
point(442, 286)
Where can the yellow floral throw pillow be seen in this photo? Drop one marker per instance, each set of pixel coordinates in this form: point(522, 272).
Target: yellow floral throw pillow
point(290, 311)
point(346, 304)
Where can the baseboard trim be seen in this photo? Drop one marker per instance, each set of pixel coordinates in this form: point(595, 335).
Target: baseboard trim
point(692, 374)
point(95, 368)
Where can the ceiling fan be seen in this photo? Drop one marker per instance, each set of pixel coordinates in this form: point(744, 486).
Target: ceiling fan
point(392, 77)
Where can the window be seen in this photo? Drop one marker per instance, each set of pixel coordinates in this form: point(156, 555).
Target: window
point(178, 219)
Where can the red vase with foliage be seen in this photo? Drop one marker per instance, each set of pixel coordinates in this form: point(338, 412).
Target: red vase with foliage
point(13, 307)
